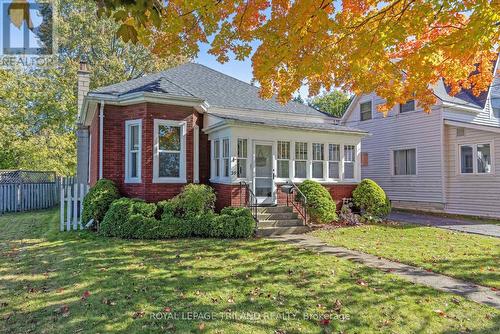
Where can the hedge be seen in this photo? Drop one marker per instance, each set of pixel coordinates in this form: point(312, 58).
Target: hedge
point(97, 201)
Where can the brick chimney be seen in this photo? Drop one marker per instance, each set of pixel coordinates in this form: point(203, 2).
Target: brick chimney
point(83, 82)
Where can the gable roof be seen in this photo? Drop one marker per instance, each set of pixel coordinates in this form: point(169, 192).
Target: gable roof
point(217, 89)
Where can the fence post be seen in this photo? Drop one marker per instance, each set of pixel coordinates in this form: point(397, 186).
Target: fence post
point(83, 192)
point(61, 204)
point(68, 207)
point(75, 206)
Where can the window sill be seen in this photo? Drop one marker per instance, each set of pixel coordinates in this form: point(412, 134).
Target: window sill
point(132, 181)
point(169, 180)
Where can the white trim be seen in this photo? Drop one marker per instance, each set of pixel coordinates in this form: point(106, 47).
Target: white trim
point(89, 158)
point(196, 154)
point(246, 158)
point(356, 162)
point(392, 162)
point(474, 158)
point(128, 124)
point(156, 154)
point(101, 137)
point(480, 127)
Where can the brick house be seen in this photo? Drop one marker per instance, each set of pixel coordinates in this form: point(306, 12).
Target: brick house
point(191, 124)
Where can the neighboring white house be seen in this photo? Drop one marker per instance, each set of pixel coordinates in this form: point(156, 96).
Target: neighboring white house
point(447, 160)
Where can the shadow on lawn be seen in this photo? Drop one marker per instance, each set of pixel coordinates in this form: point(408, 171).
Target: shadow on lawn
point(130, 281)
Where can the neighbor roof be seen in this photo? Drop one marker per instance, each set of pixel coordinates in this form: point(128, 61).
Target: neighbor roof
point(216, 88)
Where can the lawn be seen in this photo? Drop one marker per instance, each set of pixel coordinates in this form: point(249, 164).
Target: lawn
point(470, 257)
point(52, 282)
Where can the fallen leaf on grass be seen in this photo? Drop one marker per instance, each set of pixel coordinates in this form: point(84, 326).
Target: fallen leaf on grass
point(86, 294)
point(361, 282)
point(109, 302)
point(441, 313)
point(167, 309)
point(138, 314)
point(201, 326)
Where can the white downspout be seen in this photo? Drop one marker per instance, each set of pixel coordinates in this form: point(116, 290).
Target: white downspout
point(101, 133)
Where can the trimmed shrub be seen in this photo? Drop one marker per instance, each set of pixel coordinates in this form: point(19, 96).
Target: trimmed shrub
point(96, 203)
point(233, 223)
point(118, 223)
point(202, 225)
point(371, 199)
point(194, 200)
point(320, 205)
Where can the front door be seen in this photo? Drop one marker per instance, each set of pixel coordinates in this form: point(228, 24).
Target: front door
point(264, 173)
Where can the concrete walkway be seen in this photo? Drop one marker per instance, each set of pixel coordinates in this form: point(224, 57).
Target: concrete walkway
point(477, 293)
point(456, 224)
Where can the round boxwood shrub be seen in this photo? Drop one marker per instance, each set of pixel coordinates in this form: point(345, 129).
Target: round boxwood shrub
point(320, 205)
point(371, 199)
point(96, 203)
point(194, 200)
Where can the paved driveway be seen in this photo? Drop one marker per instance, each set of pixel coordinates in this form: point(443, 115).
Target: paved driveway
point(462, 225)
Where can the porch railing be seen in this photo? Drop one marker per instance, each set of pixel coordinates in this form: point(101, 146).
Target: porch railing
point(298, 201)
point(248, 199)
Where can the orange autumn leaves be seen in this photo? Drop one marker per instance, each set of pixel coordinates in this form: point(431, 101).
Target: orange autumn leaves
point(398, 49)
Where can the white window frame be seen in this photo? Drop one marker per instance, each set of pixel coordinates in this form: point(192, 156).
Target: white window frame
point(290, 160)
point(243, 159)
point(322, 152)
point(344, 161)
point(226, 159)
point(339, 161)
point(371, 110)
point(393, 163)
point(156, 152)
point(474, 158)
point(295, 160)
point(128, 125)
point(216, 143)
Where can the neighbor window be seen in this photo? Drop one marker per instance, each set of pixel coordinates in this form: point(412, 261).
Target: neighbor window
point(133, 151)
point(349, 160)
point(408, 106)
point(481, 164)
point(217, 158)
point(365, 110)
point(405, 162)
point(495, 106)
point(241, 163)
point(318, 155)
point(334, 161)
point(300, 160)
point(225, 157)
point(169, 151)
point(283, 159)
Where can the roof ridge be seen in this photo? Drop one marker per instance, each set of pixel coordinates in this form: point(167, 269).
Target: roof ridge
point(227, 75)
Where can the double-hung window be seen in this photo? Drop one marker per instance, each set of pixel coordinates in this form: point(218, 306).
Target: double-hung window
point(475, 159)
point(318, 156)
point(216, 158)
point(169, 151)
point(334, 161)
point(133, 143)
point(300, 160)
point(405, 162)
point(349, 161)
point(226, 157)
point(283, 159)
point(365, 110)
point(241, 162)
point(406, 107)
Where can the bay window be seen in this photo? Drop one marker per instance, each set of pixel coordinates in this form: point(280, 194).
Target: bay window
point(300, 160)
point(349, 160)
point(241, 162)
point(475, 159)
point(283, 159)
point(169, 151)
point(226, 157)
point(216, 158)
point(334, 161)
point(133, 149)
point(318, 155)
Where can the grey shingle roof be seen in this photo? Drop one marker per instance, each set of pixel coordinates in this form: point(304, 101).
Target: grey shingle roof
point(465, 97)
point(216, 88)
point(289, 123)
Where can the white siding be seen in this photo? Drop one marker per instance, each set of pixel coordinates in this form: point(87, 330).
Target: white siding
point(471, 194)
point(409, 130)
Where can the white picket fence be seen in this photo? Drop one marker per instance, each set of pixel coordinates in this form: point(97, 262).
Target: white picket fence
point(72, 195)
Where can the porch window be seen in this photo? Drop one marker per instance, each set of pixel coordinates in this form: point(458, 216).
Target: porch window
point(216, 158)
point(283, 159)
point(318, 156)
point(169, 151)
point(349, 160)
point(365, 111)
point(405, 162)
point(466, 159)
point(334, 161)
point(300, 160)
point(133, 151)
point(225, 157)
point(241, 163)
point(483, 158)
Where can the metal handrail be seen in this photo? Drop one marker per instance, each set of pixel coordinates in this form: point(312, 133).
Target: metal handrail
point(302, 209)
point(250, 199)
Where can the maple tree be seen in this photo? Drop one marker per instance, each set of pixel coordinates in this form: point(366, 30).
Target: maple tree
point(355, 45)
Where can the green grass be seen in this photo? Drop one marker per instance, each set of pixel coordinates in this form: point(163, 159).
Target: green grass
point(45, 273)
point(470, 257)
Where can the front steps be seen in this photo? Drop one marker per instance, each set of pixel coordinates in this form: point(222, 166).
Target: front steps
point(279, 220)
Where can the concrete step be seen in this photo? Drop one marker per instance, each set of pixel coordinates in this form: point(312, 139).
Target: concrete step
point(275, 209)
point(269, 231)
point(280, 223)
point(277, 216)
